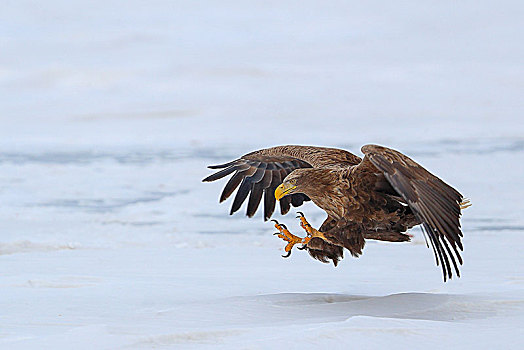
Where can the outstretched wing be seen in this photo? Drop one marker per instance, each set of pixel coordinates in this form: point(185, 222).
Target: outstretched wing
point(260, 172)
point(435, 203)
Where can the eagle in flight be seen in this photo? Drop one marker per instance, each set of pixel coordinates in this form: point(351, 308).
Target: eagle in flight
point(379, 197)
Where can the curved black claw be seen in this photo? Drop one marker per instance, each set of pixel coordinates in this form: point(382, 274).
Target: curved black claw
point(302, 248)
point(287, 255)
point(276, 233)
point(300, 214)
point(276, 222)
point(284, 226)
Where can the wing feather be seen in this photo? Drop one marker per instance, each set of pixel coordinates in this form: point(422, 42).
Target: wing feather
point(225, 165)
point(243, 190)
point(269, 194)
point(221, 174)
point(257, 190)
point(257, 174)
point(269, 203)
point(232, 185)
point(435, 203)
point(285, 205)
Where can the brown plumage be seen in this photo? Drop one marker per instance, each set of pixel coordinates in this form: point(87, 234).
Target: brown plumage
point(378, 197)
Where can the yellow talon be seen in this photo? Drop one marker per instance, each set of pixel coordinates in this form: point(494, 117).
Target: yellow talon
point(466, 203)
point(288, 237)
point(311, 232)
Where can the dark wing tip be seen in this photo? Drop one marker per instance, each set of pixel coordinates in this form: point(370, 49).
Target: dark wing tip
point(221, 166)
point(207, 179)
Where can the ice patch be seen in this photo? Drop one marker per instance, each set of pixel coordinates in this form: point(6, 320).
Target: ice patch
point(208, 337)
point(28, 246)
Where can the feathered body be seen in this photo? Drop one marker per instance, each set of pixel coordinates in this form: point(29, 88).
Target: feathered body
point(378, 197)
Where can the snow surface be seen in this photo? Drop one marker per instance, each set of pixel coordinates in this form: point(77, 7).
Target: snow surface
point(111, 111)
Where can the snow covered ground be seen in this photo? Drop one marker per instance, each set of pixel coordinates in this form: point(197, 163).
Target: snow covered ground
point(110, 113)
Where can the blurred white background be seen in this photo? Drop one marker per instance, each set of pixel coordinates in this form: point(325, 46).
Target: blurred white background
point(179, 73)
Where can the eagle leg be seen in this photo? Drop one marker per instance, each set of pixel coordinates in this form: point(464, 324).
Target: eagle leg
point(310, 231)
point(287, 236)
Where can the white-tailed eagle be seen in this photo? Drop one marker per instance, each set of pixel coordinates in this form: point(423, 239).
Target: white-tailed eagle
point(379, 197)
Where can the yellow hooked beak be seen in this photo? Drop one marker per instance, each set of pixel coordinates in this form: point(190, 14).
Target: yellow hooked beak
point(283, 190)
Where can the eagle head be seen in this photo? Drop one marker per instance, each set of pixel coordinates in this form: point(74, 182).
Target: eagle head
point(295, 182)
